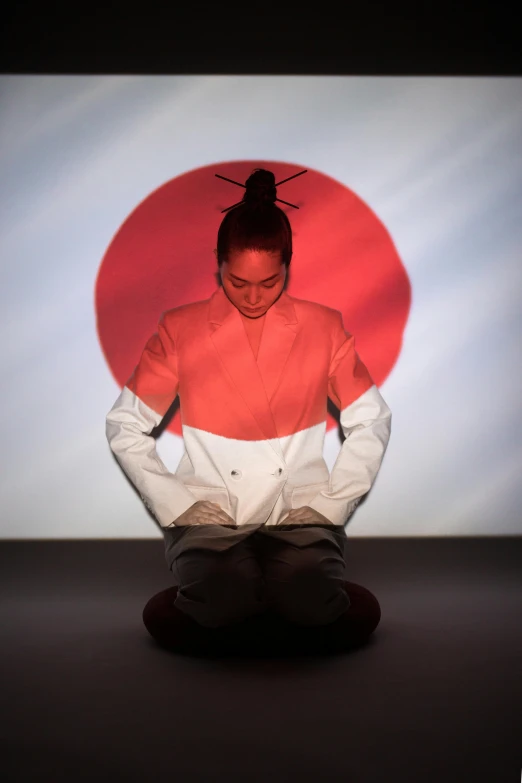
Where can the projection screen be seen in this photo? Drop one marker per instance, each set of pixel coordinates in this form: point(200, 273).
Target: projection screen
point(110, 213)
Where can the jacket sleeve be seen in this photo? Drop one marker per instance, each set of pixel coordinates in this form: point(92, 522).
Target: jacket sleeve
point(142, 404)
point(366, 423)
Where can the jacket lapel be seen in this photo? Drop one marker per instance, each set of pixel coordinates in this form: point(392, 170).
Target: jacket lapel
point(256, 381)
point(278, 337)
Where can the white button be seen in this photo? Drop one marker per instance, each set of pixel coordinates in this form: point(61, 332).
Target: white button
point(236, 474)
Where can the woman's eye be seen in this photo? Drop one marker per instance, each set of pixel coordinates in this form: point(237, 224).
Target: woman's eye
point(270, 286)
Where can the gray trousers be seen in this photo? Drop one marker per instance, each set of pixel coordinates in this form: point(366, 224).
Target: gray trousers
point(228, 573)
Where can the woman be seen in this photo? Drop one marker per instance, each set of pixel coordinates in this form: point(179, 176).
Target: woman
point(252, 518)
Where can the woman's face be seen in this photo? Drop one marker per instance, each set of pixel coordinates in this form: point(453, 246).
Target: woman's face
point(253, 280)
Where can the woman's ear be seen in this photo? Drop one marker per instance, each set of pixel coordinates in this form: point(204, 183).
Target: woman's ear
point(215, 252)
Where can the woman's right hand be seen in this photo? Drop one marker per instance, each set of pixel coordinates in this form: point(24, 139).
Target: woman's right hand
point(203, 512)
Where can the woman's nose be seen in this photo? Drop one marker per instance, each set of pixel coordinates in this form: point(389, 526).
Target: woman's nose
point(252, 297)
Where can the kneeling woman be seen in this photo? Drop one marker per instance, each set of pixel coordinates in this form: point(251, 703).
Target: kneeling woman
point(252, 518)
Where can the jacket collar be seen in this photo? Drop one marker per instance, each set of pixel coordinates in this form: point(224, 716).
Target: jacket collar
point(256, 381)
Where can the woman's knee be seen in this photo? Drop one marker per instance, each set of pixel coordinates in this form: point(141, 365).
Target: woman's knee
point(309, 594)
point(236, 577)
point(223, 569)
point(222, 591)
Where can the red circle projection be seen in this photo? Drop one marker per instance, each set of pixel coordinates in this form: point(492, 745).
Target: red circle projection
point(162, 257)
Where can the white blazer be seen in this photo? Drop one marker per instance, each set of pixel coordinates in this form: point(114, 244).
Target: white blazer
point(253, 430)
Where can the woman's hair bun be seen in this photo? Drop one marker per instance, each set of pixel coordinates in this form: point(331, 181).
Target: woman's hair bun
point(260, 188)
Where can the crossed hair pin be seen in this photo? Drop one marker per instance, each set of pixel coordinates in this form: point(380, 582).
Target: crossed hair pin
point(276, 185)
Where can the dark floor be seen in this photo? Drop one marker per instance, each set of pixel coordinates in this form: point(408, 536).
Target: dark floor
point(435, 697)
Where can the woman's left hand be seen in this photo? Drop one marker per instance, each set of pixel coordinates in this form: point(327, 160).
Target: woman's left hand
point(305, 516)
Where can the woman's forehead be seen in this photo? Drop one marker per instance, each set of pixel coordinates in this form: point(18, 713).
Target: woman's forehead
point(253, 262)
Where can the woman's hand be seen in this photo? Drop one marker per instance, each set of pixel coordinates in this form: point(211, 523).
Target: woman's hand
point(305, 516)
point(203, 512)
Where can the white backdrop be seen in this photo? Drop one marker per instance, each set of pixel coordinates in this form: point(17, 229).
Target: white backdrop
point(439, 160)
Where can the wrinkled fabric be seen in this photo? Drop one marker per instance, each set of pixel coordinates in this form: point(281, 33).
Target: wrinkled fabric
point(221, 537)
point(225, 574)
